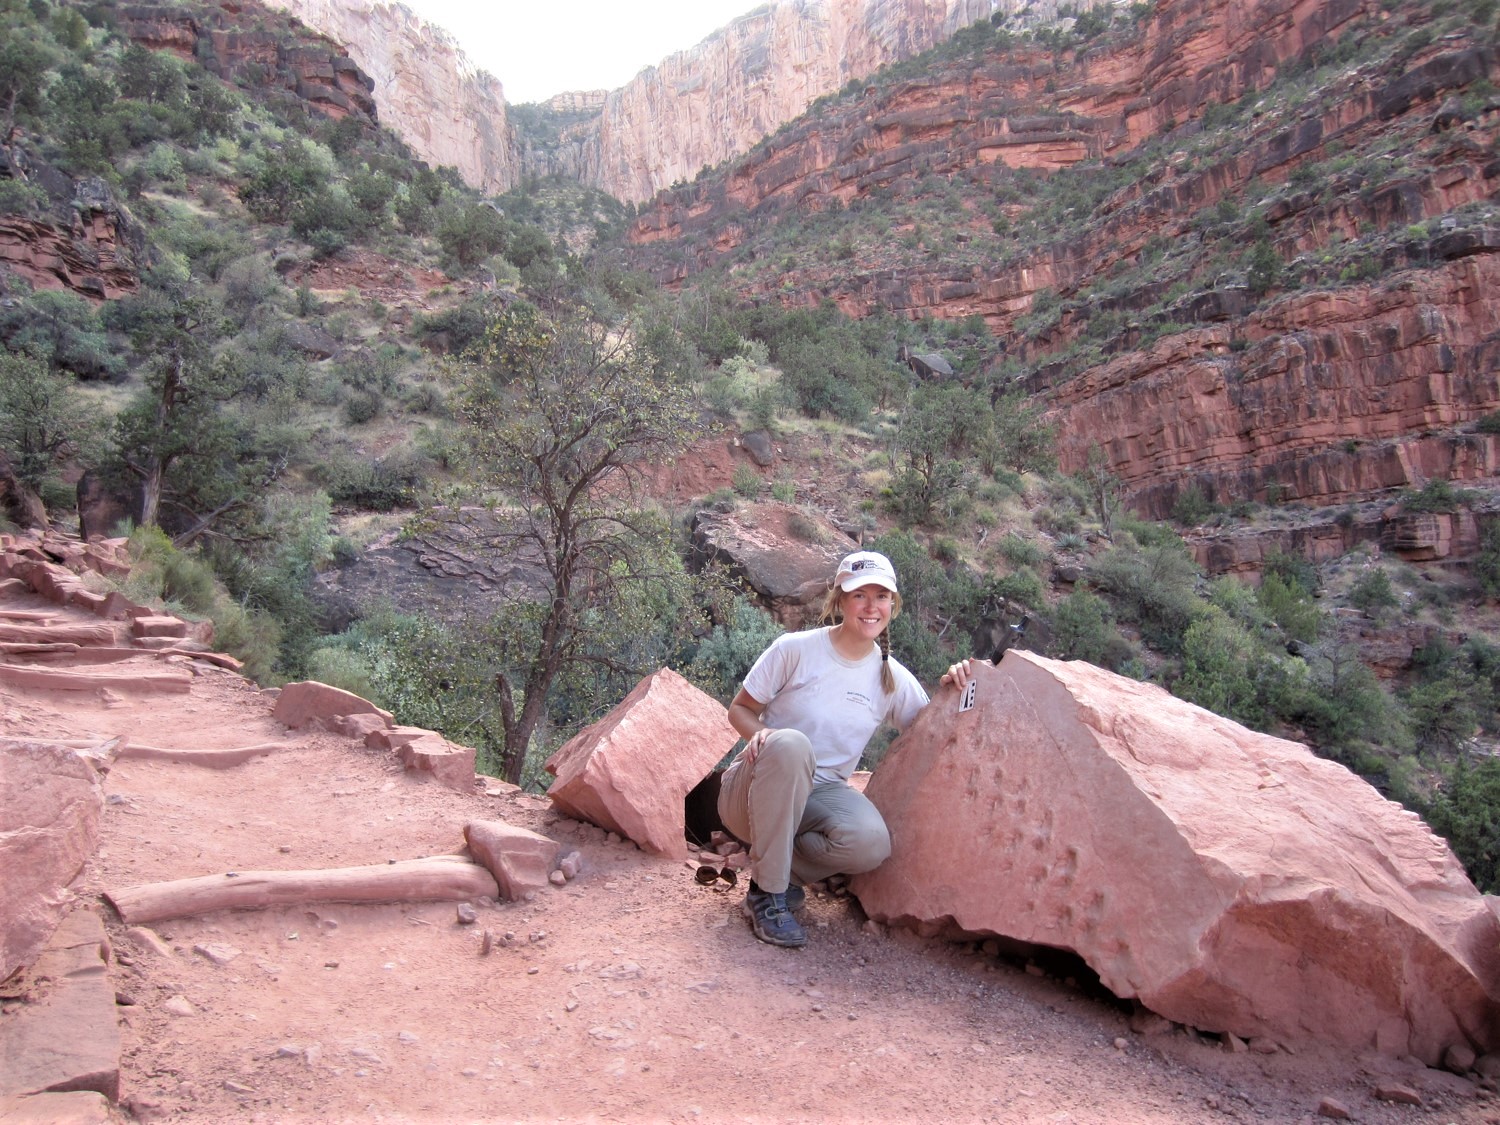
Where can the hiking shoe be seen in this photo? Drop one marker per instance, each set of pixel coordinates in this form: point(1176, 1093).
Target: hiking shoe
point(772, 920)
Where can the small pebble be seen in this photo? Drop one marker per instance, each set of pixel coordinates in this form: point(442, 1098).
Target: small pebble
point(1121, 1043)
point(531, 972)
point(467, 915)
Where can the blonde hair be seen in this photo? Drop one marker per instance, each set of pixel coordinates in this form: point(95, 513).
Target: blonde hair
point(833, 614)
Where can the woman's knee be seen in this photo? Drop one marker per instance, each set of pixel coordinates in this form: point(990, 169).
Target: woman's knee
point(864, 844)
point(789, 748)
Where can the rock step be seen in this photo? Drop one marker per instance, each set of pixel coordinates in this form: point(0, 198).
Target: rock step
point(64, 679)
point(69, 1039)
point(57, 634)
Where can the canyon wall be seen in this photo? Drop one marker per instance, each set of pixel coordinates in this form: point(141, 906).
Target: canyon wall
point(428, 91)
point(695, 108)
point(1320, 397)
point(702, 105)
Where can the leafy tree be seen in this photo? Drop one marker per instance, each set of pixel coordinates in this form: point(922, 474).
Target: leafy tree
point(725, 656)
point(41, 417)
point(1290, 606)
point(933, 433)
point(1019, 440)
point(1153, 586)
point(561, 409)
point(64, 330)
point(1083, 629)
point(470, 234)
point(1467, 814)
point(25, 57)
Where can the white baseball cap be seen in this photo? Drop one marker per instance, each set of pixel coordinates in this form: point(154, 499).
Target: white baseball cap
point(866, 568)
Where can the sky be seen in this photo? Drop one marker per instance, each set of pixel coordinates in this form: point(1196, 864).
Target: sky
point(537, 50)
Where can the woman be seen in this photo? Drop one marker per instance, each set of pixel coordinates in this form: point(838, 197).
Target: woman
point(807, 708)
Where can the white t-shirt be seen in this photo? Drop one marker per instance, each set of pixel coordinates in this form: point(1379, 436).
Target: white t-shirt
point(837, 703)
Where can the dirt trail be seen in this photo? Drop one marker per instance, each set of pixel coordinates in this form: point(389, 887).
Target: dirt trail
point(631, 994)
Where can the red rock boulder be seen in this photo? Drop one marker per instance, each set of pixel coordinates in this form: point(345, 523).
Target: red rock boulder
point(632, 770)
point(521, 861)
point(1229, 880)
point(308, 702)
point(51, 801)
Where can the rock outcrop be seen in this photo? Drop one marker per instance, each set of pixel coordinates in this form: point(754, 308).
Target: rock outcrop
point(520, 860)
point(1228, 880)
point(1321, 397)
point(789, 573)
point(631, 771)
point(448, 111)
point(277, 53)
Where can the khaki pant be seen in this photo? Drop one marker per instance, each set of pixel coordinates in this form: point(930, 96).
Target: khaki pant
point(799, 831)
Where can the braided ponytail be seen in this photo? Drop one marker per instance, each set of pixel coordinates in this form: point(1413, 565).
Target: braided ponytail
point(887, 677)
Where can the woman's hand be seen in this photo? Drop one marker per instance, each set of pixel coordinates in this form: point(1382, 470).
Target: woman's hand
point(958, 674)
point(753, 745)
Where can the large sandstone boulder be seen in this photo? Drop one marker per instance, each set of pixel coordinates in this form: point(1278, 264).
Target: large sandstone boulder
point(51, 800)
point(632, 770)
point(1227, 879)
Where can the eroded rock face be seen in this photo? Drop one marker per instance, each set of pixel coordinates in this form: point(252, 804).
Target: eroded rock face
point(632, 770)
point(1229, 880)
point(449, 567)
point(1336, 395)
point(788, 573)
point(51, 799)
point(448, 110)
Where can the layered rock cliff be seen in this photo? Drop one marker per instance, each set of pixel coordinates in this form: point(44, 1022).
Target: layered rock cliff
point(279, 55)
point(429, 92)
point(713, 101)
point(1320, 396)
point(694, 109)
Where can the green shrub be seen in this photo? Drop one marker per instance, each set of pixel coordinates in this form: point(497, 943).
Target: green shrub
point(1153, 586)
point(1083, 629)
point(725, 656)
point(1191, 507)
point(746, 481)
point(1437, 495)
point(1372, 592)
point(800, 525)
point(341, 667)
point(1019, 551)
point(1291, 607)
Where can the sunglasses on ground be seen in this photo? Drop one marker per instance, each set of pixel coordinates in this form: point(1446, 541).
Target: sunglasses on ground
point(708, 875)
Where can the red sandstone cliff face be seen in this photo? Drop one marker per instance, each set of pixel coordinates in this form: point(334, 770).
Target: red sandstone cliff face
point(85, 241)
point(448, 110)
point(282, 54)
point(1320, 396)
point(1334, 395)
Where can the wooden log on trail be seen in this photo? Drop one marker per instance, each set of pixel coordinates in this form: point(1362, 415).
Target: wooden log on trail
point(64, 679)
point(214, 759)
point(434, 879)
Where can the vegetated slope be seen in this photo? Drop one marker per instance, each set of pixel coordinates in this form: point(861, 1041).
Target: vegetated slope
point(1207, 164)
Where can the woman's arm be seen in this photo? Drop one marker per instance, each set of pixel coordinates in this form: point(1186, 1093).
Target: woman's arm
point(744, 717)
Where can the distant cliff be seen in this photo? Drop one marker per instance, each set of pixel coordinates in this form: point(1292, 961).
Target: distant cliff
point(427, 90)
point(695, 108)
